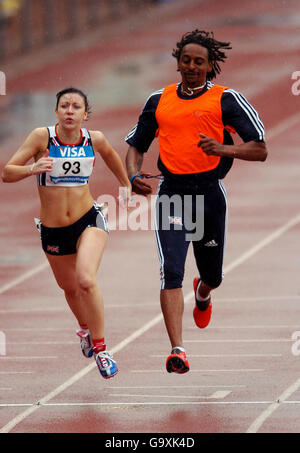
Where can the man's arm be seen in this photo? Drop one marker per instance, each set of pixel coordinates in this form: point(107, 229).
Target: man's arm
point(252, 151)
point(134, 161)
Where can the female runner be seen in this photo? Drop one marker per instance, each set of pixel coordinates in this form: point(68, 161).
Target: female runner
point(73, 229)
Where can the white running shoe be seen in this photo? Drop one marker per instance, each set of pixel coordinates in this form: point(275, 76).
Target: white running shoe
point(85, 343)
point(106, 365)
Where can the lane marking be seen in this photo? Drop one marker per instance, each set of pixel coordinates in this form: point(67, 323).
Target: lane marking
point(239, 340)
point(220, 326)
point(219, 370)
point(28, 357)
point(16, 372)
point(42, 342)
point(216, 395)
point(149, 403)
point(152, 304)
point(222, 355)
point(34, 310)
point(289, 122)
point(23, 277)
point(220, 394)
point(183, 387)
point(258, 422)
point(291, 326)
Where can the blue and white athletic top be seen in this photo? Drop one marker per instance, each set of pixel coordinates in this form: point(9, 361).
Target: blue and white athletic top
point(72, 164)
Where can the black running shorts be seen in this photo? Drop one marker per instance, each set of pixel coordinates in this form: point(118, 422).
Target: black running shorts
point(174, 234)
point(63, 240)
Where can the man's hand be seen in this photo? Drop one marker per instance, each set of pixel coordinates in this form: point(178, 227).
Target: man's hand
point(210, 146)
point(139, 186)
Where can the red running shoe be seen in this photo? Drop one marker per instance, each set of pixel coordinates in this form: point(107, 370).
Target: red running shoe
point(201, 315)
point(177, 362)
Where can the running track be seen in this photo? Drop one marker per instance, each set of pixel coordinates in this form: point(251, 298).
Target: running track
point(245, 366)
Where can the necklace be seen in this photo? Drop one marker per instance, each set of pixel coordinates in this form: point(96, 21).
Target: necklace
point(192, 90)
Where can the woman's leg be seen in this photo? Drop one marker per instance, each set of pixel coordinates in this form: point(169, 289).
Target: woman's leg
point(90, 250)
point(63, 268)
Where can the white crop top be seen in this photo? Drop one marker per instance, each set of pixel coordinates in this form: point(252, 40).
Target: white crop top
point(72, 164)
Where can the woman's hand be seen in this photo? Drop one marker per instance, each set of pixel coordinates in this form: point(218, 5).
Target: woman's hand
point(125, 196)
point(43, 165)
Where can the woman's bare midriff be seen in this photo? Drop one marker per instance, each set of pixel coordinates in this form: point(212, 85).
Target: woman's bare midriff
point(62, 206)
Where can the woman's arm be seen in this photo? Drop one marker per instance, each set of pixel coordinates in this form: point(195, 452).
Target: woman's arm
point(34, 145)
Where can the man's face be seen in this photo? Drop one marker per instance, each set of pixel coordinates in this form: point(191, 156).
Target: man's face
point(194, 65)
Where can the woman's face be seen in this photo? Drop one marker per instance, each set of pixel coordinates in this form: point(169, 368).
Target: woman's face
point(194, 65)
point(71, 111)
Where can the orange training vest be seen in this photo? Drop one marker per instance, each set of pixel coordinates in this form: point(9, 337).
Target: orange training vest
point(180, 121)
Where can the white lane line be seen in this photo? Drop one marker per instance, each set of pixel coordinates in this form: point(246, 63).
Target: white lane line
point(258, 298)
point(183, 387)
point(219, 370)
point(258, 422)
point(239, 340)
point(278, 340)
point(15, 404)
point(289, 122)
point(269, 326)
point(137, 305)
point(23, 277)
point(263, 243)
point(222, 355)
point(216, 395)
point(45, 357)
point(220, 394)
point(222, 326)
point(34, 310)
point(149, 403)
point(41, 342)
point(16, 372)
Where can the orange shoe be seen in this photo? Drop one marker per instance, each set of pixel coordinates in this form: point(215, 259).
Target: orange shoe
point(177, 362)
point(201, 315)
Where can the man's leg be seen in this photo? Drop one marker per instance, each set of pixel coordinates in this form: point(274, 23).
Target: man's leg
point(172, 250)
point(172, 305)
point(209, 253)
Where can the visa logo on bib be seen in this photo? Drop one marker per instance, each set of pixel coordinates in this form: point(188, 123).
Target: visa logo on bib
point(71, 151)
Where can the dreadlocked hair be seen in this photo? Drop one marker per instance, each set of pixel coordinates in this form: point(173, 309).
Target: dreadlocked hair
point(205, 39)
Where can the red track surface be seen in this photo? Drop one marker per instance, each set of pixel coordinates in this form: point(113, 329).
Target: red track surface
point(244, 376)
